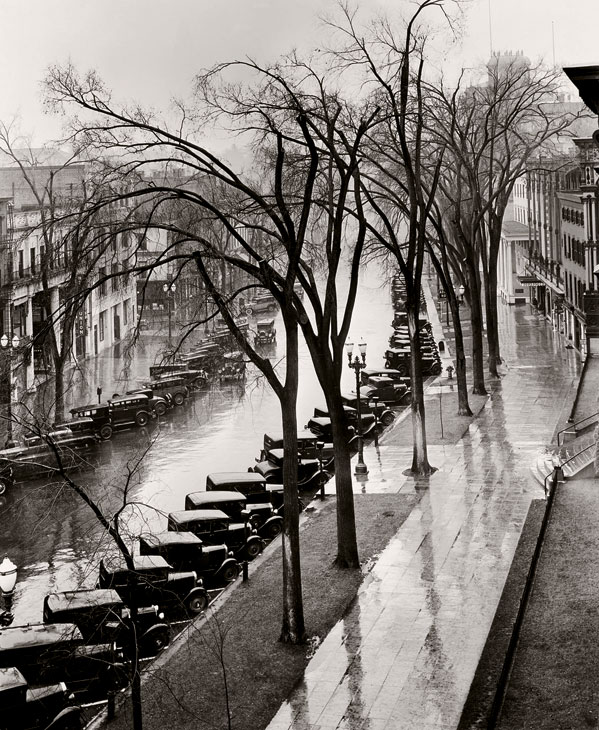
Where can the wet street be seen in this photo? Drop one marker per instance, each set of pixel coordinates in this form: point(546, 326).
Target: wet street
point(52, 535)
point(404, 655)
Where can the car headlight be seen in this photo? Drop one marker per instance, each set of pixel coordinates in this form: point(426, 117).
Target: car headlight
point(254, 532)
point(161, 616)
point(231, 553)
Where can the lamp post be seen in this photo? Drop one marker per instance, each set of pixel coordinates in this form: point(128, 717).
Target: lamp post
point(319, 448)
point(8, 580)
point(169, 289)
point(9, 344)
point(460, 297)
point(357, 365)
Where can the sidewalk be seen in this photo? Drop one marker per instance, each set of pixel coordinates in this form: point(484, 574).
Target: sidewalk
point(405, 654)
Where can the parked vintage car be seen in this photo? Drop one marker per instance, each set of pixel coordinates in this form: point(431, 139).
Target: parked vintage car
point(386, 391)
point(154, 582)
point(307, 446)
point(50, 653)
point(215, 564)
point(390, 373)
point(399, 359)
point(261, 515)
point(254, 486)
point(214, 527)
point(266, 334)
point(101, 616)
point(39, 455)
point(157, 403)
point(263, 302)
point(384, 414)
point(192, 379)
point(207, 357)
point(34, 708)
point(233, 366)
point(173, 387)
point(127, 411)
point(310, 475)
point(321, 427)
point(77, 426)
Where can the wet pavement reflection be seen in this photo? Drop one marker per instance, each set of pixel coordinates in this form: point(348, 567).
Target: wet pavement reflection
point(53, 537)
point(422, 616)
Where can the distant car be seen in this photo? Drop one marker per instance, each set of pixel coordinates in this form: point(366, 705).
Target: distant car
point(101, 616)
point(154, 582)
point(215, 564)
point(25, 707)
point(173, 386)
point(266, 333)
point(213, 526)
point(157, 403)
point(261, 515)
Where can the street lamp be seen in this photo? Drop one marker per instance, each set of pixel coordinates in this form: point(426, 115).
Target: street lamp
point(9, 344)
point(169, 289)
point(459, 291)
point(8, 580)
point(357, 365)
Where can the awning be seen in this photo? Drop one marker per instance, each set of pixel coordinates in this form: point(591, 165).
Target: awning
point(529, 280)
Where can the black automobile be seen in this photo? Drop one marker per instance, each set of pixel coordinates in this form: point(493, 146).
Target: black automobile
point(154, 583)
point(265, 334)
point(322, 427)
point(214, 527)
point(157, 403)
point(34, 708)
point(311, 473)
point(261, 515)
point(399, 359)
point(173, 387)
point(367, 406)
point(78, 426)
point(307, 446)
point(126, 411)
point(390, 373)
point(185, 551)
point(254, 486)
point(101, 616)
point(50, 653)
point(385, 390)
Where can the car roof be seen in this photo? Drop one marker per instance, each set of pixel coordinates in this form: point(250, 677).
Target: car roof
point(130, 396)
point(140, 562)
point(171, 538)
point(303, 435)
point(90, 407)
point(35, 635)
point(191, 515)
point(234, 477)
point(68, 600)
point(216, 496)
point(11, 679)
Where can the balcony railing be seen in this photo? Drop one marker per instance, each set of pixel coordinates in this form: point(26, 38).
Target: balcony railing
point(550, 270)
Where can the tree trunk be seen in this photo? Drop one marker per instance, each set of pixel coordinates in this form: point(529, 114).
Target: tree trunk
point(420, 463)
point(478, 374)
point(293, 629)
point(58, 389)
point(347, 543)
point(491, 308)
point(460, 362)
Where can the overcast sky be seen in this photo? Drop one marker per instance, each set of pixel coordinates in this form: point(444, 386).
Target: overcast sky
point(149, 50)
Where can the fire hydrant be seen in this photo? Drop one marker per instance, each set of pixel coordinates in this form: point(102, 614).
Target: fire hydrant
point(450, 370)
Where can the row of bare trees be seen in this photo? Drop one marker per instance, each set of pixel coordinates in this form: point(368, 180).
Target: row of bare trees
point(355, 151)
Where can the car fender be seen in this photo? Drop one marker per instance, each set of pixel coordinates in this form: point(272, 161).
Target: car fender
point(67, 719)
point(198, 590)
point(154, 629)
point(225, 564)
point(255, 538)
point(270, 521)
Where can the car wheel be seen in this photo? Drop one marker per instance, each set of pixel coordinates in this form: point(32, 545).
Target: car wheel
point(230, 573)
point(197, 604)
point(275, 529)
point(160, 409)
point(387, 418)
point(179, 398)
point(106, 432)
point(2, 486)
point(253, 550)
point(142, 419)
point(156, 642)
